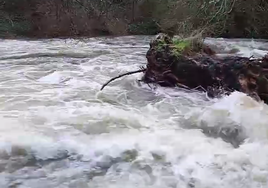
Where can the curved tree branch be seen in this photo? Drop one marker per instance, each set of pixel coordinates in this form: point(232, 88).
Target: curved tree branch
point(121, 75)
point(231, 9)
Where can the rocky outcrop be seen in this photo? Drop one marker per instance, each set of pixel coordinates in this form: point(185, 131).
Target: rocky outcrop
point(190, 64)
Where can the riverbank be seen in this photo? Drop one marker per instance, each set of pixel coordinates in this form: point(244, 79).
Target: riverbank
point(77, 18)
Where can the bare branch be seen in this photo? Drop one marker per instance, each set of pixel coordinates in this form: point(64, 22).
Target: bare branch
point(231, 9)
point(121, 75)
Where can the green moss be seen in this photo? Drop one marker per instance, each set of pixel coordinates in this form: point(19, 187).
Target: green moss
point(180, 45)
point(189, 45)
point(160, 43)
point(177, 46)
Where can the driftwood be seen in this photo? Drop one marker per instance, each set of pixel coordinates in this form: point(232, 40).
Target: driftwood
point(169, 65)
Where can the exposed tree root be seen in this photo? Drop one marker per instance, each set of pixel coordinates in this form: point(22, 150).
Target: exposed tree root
point(169, 66)
point(171, 63)
point(121, 75)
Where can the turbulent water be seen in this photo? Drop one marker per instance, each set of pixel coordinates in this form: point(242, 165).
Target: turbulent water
point(58, 130)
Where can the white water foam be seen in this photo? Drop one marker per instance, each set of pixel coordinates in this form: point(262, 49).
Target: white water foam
point(57, 130)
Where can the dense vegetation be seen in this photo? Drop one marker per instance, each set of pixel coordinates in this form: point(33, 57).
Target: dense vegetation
point(64, 18)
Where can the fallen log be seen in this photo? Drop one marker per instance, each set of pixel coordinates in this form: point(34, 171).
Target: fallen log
point(173, 62)
point(190, 64)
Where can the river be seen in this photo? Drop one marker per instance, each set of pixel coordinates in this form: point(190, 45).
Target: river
point(58, 130)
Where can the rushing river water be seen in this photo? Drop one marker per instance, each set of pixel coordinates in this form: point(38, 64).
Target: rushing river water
point(58, 130)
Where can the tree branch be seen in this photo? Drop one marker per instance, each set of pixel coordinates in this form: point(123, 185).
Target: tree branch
point(121, 75)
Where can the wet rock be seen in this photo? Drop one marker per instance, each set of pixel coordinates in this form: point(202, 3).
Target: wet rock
point(158, 156)
point(130, 155)
point(190, 64)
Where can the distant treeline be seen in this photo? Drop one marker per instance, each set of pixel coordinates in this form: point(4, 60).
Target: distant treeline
point(74, 18)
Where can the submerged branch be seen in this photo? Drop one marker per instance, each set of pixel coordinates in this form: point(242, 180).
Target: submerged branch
point(121, 75)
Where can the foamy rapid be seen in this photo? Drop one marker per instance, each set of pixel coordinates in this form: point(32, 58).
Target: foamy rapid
point(58, 130)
